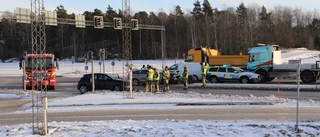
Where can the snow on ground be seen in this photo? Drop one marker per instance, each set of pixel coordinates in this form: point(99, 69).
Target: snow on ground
point(157, 128)
point(168, 128)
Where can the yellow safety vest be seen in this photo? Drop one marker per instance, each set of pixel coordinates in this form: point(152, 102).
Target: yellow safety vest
point(150, 74)
point(158, 77)
point(184, 74)
point(166, 74)
point(203, 70)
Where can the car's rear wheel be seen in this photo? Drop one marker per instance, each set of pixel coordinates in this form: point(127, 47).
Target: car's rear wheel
point(135, 82)
point(214, 79)
point(83, 89)
point(117, 88)
point(244, 80)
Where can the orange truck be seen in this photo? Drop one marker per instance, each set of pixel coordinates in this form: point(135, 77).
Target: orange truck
point(46, 73)
point(214, 58)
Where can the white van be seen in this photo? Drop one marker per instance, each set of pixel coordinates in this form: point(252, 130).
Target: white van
point(177, 69)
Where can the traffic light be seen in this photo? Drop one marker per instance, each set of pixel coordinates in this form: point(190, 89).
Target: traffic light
point(135, 24)
point(99, 54)
point(117, 24)
point(90, 55)
point(98, 22)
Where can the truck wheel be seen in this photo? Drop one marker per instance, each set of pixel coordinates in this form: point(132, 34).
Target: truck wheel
point(270, 79)
point(244, 80)
point(214, 79)
point(39, 86)
point(307, 77)
point(52, 87)
point(263, 75)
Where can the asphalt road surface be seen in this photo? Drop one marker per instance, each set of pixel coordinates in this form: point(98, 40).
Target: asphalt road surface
point(66, 86)
point(256, 113)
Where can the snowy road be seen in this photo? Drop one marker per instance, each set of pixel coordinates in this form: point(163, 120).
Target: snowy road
point(163, 112)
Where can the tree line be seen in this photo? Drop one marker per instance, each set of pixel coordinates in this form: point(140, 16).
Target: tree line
point(230, 30)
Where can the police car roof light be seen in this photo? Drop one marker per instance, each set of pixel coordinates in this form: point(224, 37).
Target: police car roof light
point(226, 65)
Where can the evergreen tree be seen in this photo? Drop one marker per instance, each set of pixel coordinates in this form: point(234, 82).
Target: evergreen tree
point(242, 15)
point(61, 12)
point(110, 13)
point(197, 8)
point(317, 43)
point(207, 9)
point(243, 27)
point(265, 26)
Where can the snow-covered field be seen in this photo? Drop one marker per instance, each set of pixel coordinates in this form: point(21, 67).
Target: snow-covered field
point(170, 127)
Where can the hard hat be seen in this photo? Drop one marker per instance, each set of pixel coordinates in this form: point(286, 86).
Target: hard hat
point(185, 66)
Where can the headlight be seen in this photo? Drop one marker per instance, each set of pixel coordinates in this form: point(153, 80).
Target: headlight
point(255, 76)
point(29, 74)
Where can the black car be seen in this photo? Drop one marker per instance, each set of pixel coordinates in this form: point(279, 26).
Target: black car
point(102, 81)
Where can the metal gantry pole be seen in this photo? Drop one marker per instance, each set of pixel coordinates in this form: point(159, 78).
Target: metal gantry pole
point(298, 95)
point(103, 60)
point(163, 47)
point(92, 70)
point(126, 40)
point(24, 75)
point(38, 66)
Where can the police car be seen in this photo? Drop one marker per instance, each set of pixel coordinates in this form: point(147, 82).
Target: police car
point(229, 73)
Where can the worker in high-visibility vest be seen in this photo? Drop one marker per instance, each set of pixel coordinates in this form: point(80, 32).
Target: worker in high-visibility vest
point(166, 78)
point(144, 67)
point(203, 72)
point(184, 75)
point(149, 79)
point(156, 78)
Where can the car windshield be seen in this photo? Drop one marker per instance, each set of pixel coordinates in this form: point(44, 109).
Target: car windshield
point(112, 76)
point(238, 69)
point(48, 63)
point(174, 67)
point(189, 58)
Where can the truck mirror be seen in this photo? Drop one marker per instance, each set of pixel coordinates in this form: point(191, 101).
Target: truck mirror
point(20, 65)
point(57, 63)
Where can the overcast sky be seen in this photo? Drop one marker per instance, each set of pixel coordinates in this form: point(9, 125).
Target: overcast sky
point(79, 6)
